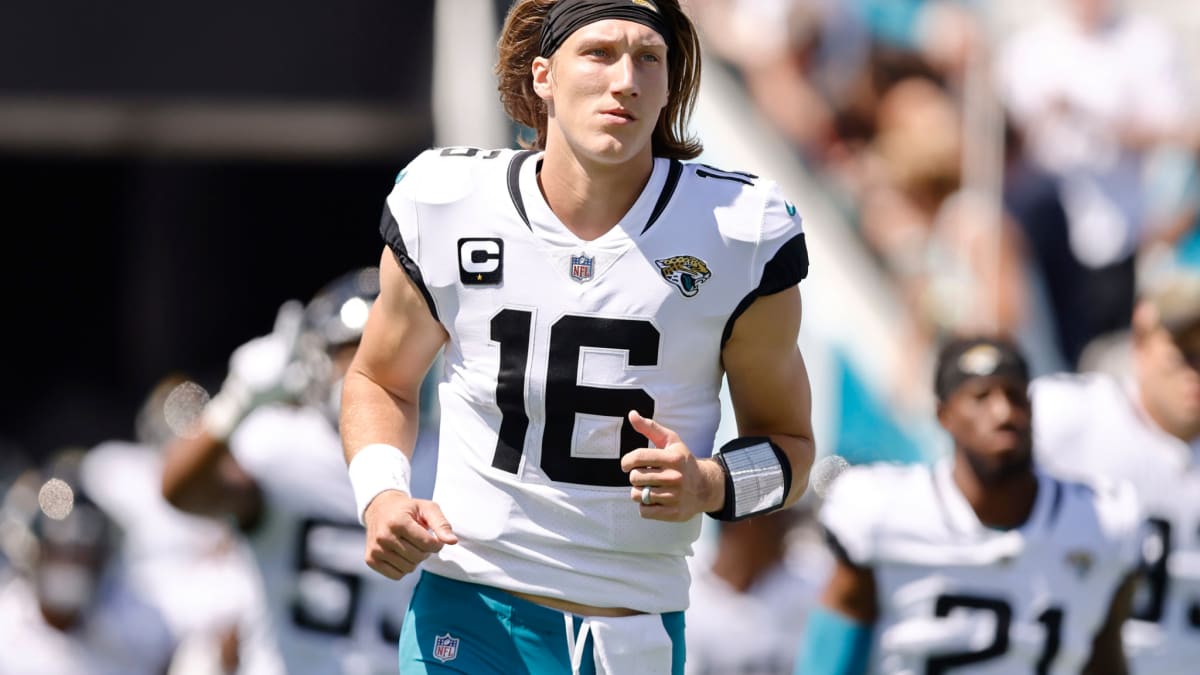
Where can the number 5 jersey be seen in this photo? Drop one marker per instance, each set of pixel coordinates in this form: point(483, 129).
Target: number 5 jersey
point(325, 612)
point(553, 340)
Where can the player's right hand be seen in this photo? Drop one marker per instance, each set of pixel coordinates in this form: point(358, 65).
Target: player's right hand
point(402, 531)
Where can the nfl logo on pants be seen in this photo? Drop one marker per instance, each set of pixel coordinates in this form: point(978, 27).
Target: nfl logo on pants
point(445, 648)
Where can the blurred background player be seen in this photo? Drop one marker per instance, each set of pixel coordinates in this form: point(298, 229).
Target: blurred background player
point(750, 595)
point(980, 560)
point(14, 463)
point(1144, 428)
point(222, 599)
point(71, 607)
point(267, 454)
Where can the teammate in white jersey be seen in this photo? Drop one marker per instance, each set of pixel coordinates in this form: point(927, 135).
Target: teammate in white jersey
point(70, 607)
point(268, 455)
point(1145, 430)
point(587, 295)
point(980, 563)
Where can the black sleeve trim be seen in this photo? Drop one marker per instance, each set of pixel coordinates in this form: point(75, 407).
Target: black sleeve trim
point(837, 549)
point(787, 268)
point(514, 183)
point(673, 174)
point(783, 271)
point(389, 229)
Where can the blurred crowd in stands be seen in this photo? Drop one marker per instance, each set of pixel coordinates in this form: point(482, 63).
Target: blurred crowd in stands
point(1028, 174)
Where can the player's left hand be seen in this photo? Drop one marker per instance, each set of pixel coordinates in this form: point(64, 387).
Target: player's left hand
point(681, 485)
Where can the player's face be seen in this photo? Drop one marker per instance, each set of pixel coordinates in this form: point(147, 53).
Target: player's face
point(1171, 378)
point(1090, 13)
point(605, 89)
point(989, 419)
point(65, 580)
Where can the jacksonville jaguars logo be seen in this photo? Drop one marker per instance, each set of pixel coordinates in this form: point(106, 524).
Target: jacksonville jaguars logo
point(685, 272)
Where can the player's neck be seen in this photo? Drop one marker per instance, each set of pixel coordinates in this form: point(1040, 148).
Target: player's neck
point(1002, 504)
point(590, 198)
point(1188, 433)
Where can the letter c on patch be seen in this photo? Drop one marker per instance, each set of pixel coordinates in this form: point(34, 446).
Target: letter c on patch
point(480, 260)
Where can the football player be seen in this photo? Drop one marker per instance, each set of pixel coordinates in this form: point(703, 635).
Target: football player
point(267, 454)
point(979, 562)
point(1146, 430)
point(161, 545)
point(72, 607)
point(587, 294)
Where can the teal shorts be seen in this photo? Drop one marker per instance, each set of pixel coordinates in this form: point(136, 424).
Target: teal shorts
point(458, 627)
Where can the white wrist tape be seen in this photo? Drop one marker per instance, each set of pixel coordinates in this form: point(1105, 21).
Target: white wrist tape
point(377, 468)
point(758, 477)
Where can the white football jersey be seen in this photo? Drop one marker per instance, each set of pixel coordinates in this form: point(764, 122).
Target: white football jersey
point(328, 612)
point(1092, 425)
point(553, 340)
point(121, 634)
point(955, 593)
point(163, 545)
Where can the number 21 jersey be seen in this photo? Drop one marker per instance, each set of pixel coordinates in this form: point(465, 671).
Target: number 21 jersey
point(553, 340)
point(955, 595)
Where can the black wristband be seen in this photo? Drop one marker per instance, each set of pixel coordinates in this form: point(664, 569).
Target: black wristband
point(758, 477)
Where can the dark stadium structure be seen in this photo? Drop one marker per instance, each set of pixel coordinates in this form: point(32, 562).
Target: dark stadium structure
point(173, 172)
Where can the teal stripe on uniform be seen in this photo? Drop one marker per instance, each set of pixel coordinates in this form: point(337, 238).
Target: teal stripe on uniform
point(674, 623)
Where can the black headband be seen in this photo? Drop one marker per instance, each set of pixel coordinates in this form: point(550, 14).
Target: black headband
point(963, 359)
point(567, 16)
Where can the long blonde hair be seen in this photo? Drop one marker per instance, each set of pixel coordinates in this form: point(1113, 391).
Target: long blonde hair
point(520, 41)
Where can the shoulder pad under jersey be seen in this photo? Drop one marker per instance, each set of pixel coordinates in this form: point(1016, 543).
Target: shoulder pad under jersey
point(857, 504)
point(445, 175)
point(1066, 401)
point(1119, 512)
point(748, 207)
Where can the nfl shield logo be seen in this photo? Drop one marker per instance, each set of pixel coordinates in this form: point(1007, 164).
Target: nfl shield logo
point(445, 648)
point(581, 268)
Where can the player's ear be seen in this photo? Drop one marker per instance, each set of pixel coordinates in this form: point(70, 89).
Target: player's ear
point(942, 414)
point(541, 72)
